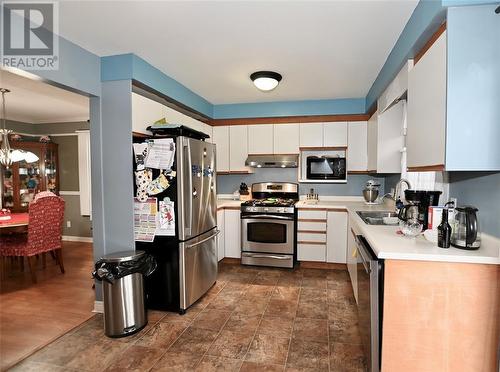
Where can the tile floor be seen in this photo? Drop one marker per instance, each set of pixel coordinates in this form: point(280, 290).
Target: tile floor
point(253, 319)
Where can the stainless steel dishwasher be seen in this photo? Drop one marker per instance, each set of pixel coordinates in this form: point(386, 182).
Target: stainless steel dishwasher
point(370, 271)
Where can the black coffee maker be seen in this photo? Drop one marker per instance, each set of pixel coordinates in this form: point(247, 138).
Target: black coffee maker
point(421, 199)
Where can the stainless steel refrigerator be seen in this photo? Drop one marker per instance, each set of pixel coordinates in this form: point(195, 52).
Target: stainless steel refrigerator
point(187, 262)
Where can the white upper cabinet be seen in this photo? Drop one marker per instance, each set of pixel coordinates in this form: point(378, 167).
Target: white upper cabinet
point(396, 88)
point(372, 142)
point(425, 141)
point(208, 130)
point(390, 139)
point(357, 153)
point(386, 140)
point(286, 138)
point(311, 135)
point(335, 134)
point(260, 139)
point(221, 140)
point(238, 148)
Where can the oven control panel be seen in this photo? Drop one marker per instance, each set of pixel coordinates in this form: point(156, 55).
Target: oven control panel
point(270, 210)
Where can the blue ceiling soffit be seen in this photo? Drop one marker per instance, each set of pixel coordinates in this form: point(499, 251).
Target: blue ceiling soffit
point(290, 108)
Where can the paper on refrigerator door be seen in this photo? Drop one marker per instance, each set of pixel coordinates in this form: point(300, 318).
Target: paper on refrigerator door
point(145, 220)
point(166, 218)
point(161, 154)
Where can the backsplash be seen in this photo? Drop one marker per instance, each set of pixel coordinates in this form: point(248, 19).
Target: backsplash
point(482, 190)
point(227, 184)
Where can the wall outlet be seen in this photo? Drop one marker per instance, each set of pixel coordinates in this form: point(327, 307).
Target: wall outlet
point(68, 223)
point(454, 200)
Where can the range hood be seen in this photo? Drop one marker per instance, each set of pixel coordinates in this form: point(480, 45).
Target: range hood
point(272, 161)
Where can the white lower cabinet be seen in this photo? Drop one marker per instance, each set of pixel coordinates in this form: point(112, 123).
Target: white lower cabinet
point(232, 233)
point(322, 236)
point(352, 259)
point(220, 238)
point(311, 252)
point(336, 237)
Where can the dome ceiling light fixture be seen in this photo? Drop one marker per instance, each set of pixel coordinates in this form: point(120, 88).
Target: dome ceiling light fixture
point(266, 81)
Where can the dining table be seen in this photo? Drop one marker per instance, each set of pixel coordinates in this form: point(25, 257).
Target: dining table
point(16, 220)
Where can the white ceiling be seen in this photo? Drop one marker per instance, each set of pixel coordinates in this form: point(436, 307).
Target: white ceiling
point(324, 50)
point(33, 101)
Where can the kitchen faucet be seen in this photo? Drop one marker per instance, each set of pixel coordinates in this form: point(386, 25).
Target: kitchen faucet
point(397, 191)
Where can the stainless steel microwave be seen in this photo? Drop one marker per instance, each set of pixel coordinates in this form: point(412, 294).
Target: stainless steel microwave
point(324, 166)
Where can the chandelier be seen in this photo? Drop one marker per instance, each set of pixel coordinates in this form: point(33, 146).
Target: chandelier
point(5, 150)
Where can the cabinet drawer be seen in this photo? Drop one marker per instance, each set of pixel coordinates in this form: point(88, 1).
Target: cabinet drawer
point(311, 252)
point(311, 237)
point(312, 215)
point(312, 226)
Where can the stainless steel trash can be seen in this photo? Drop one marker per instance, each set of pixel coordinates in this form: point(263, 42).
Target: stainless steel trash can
point(124, 307)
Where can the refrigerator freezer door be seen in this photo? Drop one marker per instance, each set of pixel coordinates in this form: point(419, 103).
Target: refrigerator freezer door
point(198, 267)
point(196, 193)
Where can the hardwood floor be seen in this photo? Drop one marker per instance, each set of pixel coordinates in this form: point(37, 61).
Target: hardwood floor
point(33, 315)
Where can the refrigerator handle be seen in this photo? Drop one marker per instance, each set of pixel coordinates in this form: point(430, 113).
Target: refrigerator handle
point(188, 198)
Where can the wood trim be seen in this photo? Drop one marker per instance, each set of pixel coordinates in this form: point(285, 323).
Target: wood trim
point(231, 261)
point(140, 135)
point(358, 172)
point(289, 119)
point(312, 209)
point(155, 95)
point(332, 209)
point(311, 232)
point(322, 265)
point(233, 172)
point(427, 168)
point(291, 154)
point(372, 109)
point(230, 208)
point(339, 148)
point(312, 243)
point(337, 210)
point(429, 43)
point(311, 220)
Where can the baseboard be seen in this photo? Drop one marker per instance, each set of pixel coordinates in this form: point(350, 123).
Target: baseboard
point(231, 261)
point(98, 307)
point(71, 238)
point(322, 265)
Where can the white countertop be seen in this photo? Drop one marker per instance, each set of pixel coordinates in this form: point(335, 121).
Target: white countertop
point(387, 244)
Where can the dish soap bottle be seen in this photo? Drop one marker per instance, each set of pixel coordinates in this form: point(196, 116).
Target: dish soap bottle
point(444, 230)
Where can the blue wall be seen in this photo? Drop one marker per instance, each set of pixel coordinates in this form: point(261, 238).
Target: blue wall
point(424, 21)
point(78, 69)
point(227, 184)
point(481, 190)
point(132, 67)
point(290, 108)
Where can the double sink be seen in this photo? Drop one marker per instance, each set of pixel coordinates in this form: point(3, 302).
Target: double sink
point(379, 217)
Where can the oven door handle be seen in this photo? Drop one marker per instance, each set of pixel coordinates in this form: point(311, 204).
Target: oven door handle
point(266, 217)
point(253, 255)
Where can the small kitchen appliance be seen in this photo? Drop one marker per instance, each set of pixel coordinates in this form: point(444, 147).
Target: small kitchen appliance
point(269, 225)
point(370, 192)
point(465, 228)
point(323, 166)
point(422, 199)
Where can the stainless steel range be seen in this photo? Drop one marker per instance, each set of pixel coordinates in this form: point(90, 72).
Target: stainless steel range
point(269, 225)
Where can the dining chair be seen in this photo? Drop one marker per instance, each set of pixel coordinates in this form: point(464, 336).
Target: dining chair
point(46, 214)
